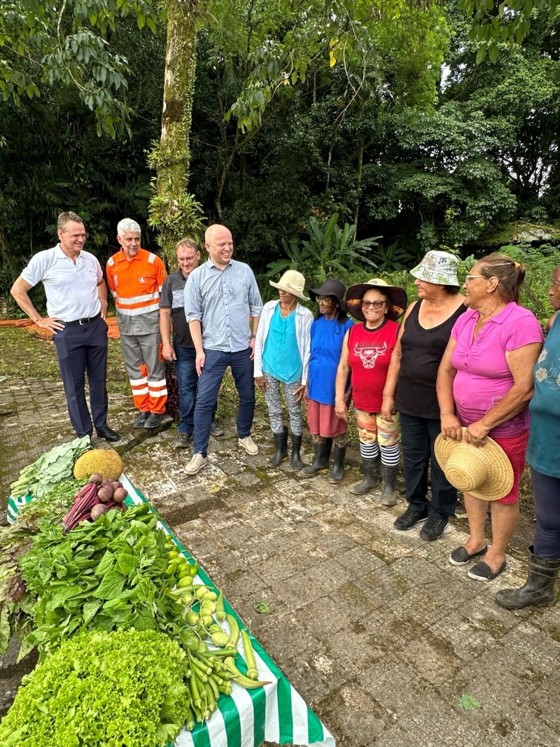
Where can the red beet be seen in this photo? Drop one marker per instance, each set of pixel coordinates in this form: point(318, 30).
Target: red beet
point(98, 510)
point(105, 493)
point(119, 495)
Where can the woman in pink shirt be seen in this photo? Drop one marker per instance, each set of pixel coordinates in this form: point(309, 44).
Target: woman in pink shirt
point(485, 383)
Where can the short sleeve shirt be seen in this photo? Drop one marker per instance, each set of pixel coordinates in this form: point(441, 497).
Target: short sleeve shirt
point(173, 297)
point(369, 355)
point(483, 377)
point(70, 287)
point(327, 336)
point(543, 451)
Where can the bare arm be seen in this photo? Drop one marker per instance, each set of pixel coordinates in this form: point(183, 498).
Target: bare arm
point(254, 324)
point(450, 425)
point(340, 406)
point(388, 403)
point(196, 333)
point(520, 363)
point(20, 291)
point(165, 328)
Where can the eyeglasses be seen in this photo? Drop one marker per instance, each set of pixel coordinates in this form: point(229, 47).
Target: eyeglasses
point(468, 278)
point(327, 300)
point(373, 304)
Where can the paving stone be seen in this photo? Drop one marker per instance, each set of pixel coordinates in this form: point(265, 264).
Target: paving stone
point(374, 627)
point(356, 716)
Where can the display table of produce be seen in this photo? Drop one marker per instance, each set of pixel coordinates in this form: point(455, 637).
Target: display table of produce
point(246, 713)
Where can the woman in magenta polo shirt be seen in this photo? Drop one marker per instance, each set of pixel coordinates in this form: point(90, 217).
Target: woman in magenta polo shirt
point(485, 383)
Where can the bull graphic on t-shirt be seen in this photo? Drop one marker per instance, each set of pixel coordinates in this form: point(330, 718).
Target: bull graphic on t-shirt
point(368, 354)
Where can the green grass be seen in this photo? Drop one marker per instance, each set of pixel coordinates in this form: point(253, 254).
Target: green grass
point(28, 356)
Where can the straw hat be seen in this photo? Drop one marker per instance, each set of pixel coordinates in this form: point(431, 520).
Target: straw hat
point(292, 282)
point(397, 298)
point(482, 471)
point(439, 268)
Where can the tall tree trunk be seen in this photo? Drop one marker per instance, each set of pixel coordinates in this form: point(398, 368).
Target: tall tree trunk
point(173, 211)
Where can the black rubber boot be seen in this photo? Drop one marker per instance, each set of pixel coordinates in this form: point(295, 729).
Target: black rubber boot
point(389, 491)
point(296, 456)
point(370, 470)
point(322, 456)
point(337, 470)
point(281, 442)
point(538, 590)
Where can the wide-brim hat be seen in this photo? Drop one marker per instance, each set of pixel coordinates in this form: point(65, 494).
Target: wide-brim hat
point(397, 298)
point(332, 287)
point(437, 267)
point(482, 471)
point(292, 282)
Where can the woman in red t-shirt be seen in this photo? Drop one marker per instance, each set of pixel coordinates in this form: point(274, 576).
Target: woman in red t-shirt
point(366, 354)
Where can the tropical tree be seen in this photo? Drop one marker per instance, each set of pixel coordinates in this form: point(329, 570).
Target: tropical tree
point(45, 45)
point(494, 23)
point(173, 211)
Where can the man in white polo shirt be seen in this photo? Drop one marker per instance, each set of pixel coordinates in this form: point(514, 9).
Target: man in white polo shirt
point(76, 307)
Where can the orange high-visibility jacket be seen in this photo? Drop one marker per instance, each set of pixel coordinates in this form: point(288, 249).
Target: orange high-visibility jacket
point(136, 283)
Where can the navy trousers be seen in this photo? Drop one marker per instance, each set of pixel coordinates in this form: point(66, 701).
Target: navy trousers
point(209, 382)
point(83, 349)
point(546, 543)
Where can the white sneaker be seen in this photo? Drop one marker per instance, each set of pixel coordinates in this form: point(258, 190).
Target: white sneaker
point(249, 445)
point(197, 463)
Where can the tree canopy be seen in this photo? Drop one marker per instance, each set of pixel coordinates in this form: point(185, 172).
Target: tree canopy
point(383, 113)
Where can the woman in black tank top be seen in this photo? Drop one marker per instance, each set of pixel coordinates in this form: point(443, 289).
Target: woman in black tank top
point(411, 391)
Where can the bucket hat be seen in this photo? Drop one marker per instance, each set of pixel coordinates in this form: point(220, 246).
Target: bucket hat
point(397, 298)
point(292, 282)
point(331, 287)
point(437, 267)
point(483, 471)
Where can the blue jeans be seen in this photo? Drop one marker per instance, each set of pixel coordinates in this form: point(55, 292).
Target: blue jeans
point(209, 386)
point(546, 542)
point(187, 382)
point(418, 436)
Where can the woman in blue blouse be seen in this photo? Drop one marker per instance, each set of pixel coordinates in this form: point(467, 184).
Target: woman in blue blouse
point(327, 336)
point(543, 455)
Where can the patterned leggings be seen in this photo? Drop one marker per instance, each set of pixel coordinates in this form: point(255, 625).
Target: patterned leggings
point(378, 435)
point(274, 404)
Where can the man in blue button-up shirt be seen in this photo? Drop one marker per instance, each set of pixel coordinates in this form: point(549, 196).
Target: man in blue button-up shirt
point(222, 305)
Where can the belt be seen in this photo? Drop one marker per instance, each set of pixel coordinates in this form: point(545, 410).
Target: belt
point(80, 322)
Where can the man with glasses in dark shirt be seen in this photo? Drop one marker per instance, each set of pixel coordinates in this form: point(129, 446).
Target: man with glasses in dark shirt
point(173, 324)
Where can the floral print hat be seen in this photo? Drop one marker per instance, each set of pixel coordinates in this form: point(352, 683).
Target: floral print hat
point(437, 267)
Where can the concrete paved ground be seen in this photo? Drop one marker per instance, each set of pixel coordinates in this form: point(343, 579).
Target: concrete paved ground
point(388, 643)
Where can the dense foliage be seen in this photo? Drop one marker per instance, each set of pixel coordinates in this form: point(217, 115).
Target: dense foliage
point(377, 112)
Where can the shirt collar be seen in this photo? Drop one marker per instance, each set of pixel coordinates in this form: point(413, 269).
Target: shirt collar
point(211, 264)
point(501, 317)
point(121, 257)
point(60, 253)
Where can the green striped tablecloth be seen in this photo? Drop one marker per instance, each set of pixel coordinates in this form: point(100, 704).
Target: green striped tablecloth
point(275, 713)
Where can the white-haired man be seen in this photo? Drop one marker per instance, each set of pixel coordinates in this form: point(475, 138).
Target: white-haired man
point(135, 278)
